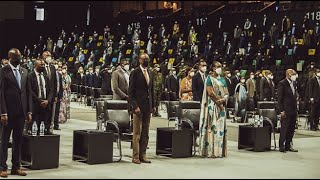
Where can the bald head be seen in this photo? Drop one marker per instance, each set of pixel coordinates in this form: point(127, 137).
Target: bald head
point(14, 56)
point(144, 59)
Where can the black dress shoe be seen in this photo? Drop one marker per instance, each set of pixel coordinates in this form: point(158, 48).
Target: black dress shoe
point(282, 150)
point(292, 150)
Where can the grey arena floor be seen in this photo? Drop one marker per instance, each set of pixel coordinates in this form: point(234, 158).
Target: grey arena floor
point(238, 164)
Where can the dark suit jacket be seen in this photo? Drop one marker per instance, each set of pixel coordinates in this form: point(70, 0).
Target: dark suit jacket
point(314, 89)
point(287, 102)
point(119, 84)
point(60, 91)
point(80, 80)
point(140, 93)
point(197, 87)
point(89, 80)
point(173, 84)
point(35, 91)
point(52, 81)
point(230, 86)
point(13, 98)
point(96, 80)
point(266, 90)
point(106, 82)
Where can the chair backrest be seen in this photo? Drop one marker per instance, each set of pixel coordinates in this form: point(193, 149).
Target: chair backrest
point(271, 114)
point(267, 105)
point(117, 110)
point(106, 96)
point(250, 105)
point(190, 110)
point(302, 107)
point(99, 108)
point(171, 108)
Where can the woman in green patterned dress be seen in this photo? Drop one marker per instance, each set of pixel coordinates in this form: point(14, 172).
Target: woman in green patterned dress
point(213, 128)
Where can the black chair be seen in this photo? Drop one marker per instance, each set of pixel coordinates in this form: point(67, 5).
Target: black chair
point(267, 105)
point(83, 93)
point(270, 118)
point(303, 112)
point(231, 105)
point(172, 110)
point(189, 114)
point(250, 108)
point(117, 120)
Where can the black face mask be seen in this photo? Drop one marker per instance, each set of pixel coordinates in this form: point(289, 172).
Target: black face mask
point(15, 61)
point(145, 63)
point(41, 69)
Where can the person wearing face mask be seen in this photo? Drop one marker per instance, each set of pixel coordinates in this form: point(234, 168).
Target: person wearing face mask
point(257, 79)
point(185, 93)
point(141, 103)
point(158, 88)
point(229, 82)
point(267, 87)
point(89, 77)
point(96, 78)
point(240, 103)
point(120, 81)
point(213, 127)
point(64, 113)
point(16, 108)
point(198, 81)
point(105, 74)
point(236, 78)
point(59, 97)
point(41, 96)
point(314, 94)
point(311, 70)
point(287, 105)
point(251, 86)
point(172, 84)
point(50, 73)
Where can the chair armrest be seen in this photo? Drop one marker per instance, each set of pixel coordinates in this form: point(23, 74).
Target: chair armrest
point(188, 121)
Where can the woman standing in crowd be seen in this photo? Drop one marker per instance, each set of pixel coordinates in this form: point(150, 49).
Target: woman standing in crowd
point(213, 128)
point(241, 97)
point(186, 85)
point(65, 102)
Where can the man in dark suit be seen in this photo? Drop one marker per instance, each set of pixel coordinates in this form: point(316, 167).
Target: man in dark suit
point(314, 94)
point(41, 96)
point(198, 81)
point(97, 78)
point(120, 81)
point(58, 102)
point(50, 73)
point(235, 79)
point(89, 78)
point(173, 84)
point(141, 102)
point(287, 104)
point(267, 87)
point(105, 74)
point(229, 82)
point(16, 107)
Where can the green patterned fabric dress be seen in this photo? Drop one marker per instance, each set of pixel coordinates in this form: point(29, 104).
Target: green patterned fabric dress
point(213, 128)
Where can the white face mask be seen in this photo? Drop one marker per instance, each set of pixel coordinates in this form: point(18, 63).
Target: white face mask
point(109, 71)
point(191, 74)
point(270, 77)
point(243, 80)
point(64, 71)
point(204, 69)
point(293, 78)
point(174, 72)
point(97, 70)
point(56, 66)
point(238, 74)
point(219, 71)
point(158, 69)
point(229, 75)
point(91, 71)
point(252, 76)
point(49, 59)
point(318, 74)
point(126, 67)
point(312, 66)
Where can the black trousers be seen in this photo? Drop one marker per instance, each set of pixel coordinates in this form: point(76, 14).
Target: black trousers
point(287, 130)
point(15, 125)
point(39, 114)
point(315, 114)
point(56, 115)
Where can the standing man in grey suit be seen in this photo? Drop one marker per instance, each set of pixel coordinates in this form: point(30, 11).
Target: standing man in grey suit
point(16, 108)
point(120, 81)
point(141, 102)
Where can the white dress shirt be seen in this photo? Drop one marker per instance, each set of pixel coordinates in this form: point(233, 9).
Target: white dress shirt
point(43, 83)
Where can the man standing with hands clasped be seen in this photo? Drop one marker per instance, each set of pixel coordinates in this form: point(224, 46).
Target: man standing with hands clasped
point(16, 107)
point(287, 102)
point(141, 102)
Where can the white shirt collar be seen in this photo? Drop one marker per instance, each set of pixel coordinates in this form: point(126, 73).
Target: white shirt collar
point(142, 68)
point(12, 67)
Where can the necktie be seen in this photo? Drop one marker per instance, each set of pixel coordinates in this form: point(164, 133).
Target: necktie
point(48, 72)
point(146, 76)
point(18, 77)
point(42, 96)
